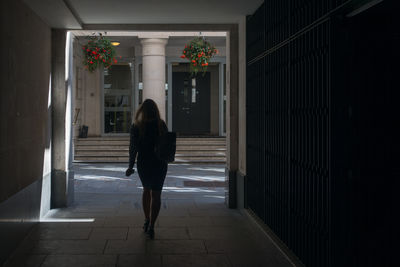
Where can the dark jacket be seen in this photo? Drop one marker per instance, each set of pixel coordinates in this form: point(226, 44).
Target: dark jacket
point(143, 146)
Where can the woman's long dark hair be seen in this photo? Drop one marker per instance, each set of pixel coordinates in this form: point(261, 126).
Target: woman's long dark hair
point(148, 111)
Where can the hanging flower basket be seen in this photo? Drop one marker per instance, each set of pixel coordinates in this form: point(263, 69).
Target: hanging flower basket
point(199, 53)
point(98, 51)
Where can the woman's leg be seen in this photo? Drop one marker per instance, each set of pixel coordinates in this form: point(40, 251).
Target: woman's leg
point(146, 200)
point(155, 206)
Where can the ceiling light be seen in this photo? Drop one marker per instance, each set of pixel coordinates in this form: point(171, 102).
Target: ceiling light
point(115, 43)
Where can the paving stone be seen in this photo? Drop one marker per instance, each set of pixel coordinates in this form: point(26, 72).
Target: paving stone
point(147, 260)
point(238, 221)
point(57, 233)
point(231, 233)
point(97, 222)
point(24, 260)
point(80, 260)
point(123, 221)
point(176, 247)
point(258, 260)
point(126, 247)
point(213, 212)
point(171, 221)
point(194, 228)
point(161, 233)
point(208, 260)
point(109, 233)
point(237, 246)
point(69, 247)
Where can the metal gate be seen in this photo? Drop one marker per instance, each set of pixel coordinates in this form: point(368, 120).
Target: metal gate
point(288, 123)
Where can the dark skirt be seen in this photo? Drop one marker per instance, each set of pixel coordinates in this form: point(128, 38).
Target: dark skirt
point(152, 172)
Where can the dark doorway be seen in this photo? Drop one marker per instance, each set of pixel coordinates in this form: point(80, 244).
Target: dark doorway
point(191, 103)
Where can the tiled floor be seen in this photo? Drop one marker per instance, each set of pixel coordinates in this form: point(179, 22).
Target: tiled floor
point(103, 227)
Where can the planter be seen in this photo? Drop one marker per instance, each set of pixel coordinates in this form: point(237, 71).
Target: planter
point(198, 52)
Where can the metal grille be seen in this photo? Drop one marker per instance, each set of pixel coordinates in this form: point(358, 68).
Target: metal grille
point(309, 139)
point(288, 137)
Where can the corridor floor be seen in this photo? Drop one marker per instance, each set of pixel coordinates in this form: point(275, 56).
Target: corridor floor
point(103, 226)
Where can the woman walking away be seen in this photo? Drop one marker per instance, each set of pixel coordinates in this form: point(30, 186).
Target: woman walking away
point(144, 136)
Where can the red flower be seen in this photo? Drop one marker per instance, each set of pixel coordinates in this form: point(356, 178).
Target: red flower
point(91, 62)
point(94, 52)
point(88, 50)
point(193, 61)
point(104, 60)
point(183, 56)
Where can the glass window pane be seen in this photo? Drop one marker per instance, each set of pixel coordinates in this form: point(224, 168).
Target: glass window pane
point(117, 121)
point(117, 99)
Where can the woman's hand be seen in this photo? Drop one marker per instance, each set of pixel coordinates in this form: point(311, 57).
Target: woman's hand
point(129, 172)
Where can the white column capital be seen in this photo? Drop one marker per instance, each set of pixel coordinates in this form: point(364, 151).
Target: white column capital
point(153, 46)
point(155, 35)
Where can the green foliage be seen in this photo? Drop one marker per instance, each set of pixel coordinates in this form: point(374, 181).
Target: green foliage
point(98, 51)
point(199, 52)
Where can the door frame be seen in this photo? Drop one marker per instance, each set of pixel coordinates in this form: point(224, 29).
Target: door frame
point(221, 61)
point(131, 62)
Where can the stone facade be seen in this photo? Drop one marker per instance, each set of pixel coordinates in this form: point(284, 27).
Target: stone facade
point(88, 106)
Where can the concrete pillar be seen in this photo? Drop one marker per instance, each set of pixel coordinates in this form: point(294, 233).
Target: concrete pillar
point(61, 94)
point(153, 52)
point(232, 115)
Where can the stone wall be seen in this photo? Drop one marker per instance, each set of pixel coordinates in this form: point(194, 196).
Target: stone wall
point(87, 88)
point(25, 122)
point(88, 91)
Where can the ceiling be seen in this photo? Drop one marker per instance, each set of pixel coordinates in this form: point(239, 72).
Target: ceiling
point(131, 41)
point(75, 14)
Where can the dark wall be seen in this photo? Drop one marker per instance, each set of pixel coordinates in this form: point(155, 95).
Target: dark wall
point(25, 81)
point(24, 116)
point(365, 49)
point(320, 128)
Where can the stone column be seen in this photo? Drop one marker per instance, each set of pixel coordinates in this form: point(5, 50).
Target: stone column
point(153, 52)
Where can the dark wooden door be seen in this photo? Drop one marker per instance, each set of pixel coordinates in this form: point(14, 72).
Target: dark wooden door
point(190, 104)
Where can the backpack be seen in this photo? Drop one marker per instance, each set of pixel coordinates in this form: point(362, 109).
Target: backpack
point(166, 147)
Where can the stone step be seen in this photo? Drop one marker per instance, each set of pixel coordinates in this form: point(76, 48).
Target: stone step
point(126, 138)
point(126, 159)
point(200, 148)
point(126, 143)
point(126, 148)
point(200, 142)
point(117, 153)
point(101, 148)
point(116, 149)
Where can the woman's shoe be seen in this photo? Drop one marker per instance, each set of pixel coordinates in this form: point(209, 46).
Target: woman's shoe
point(150, 233)
point(146, 225)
